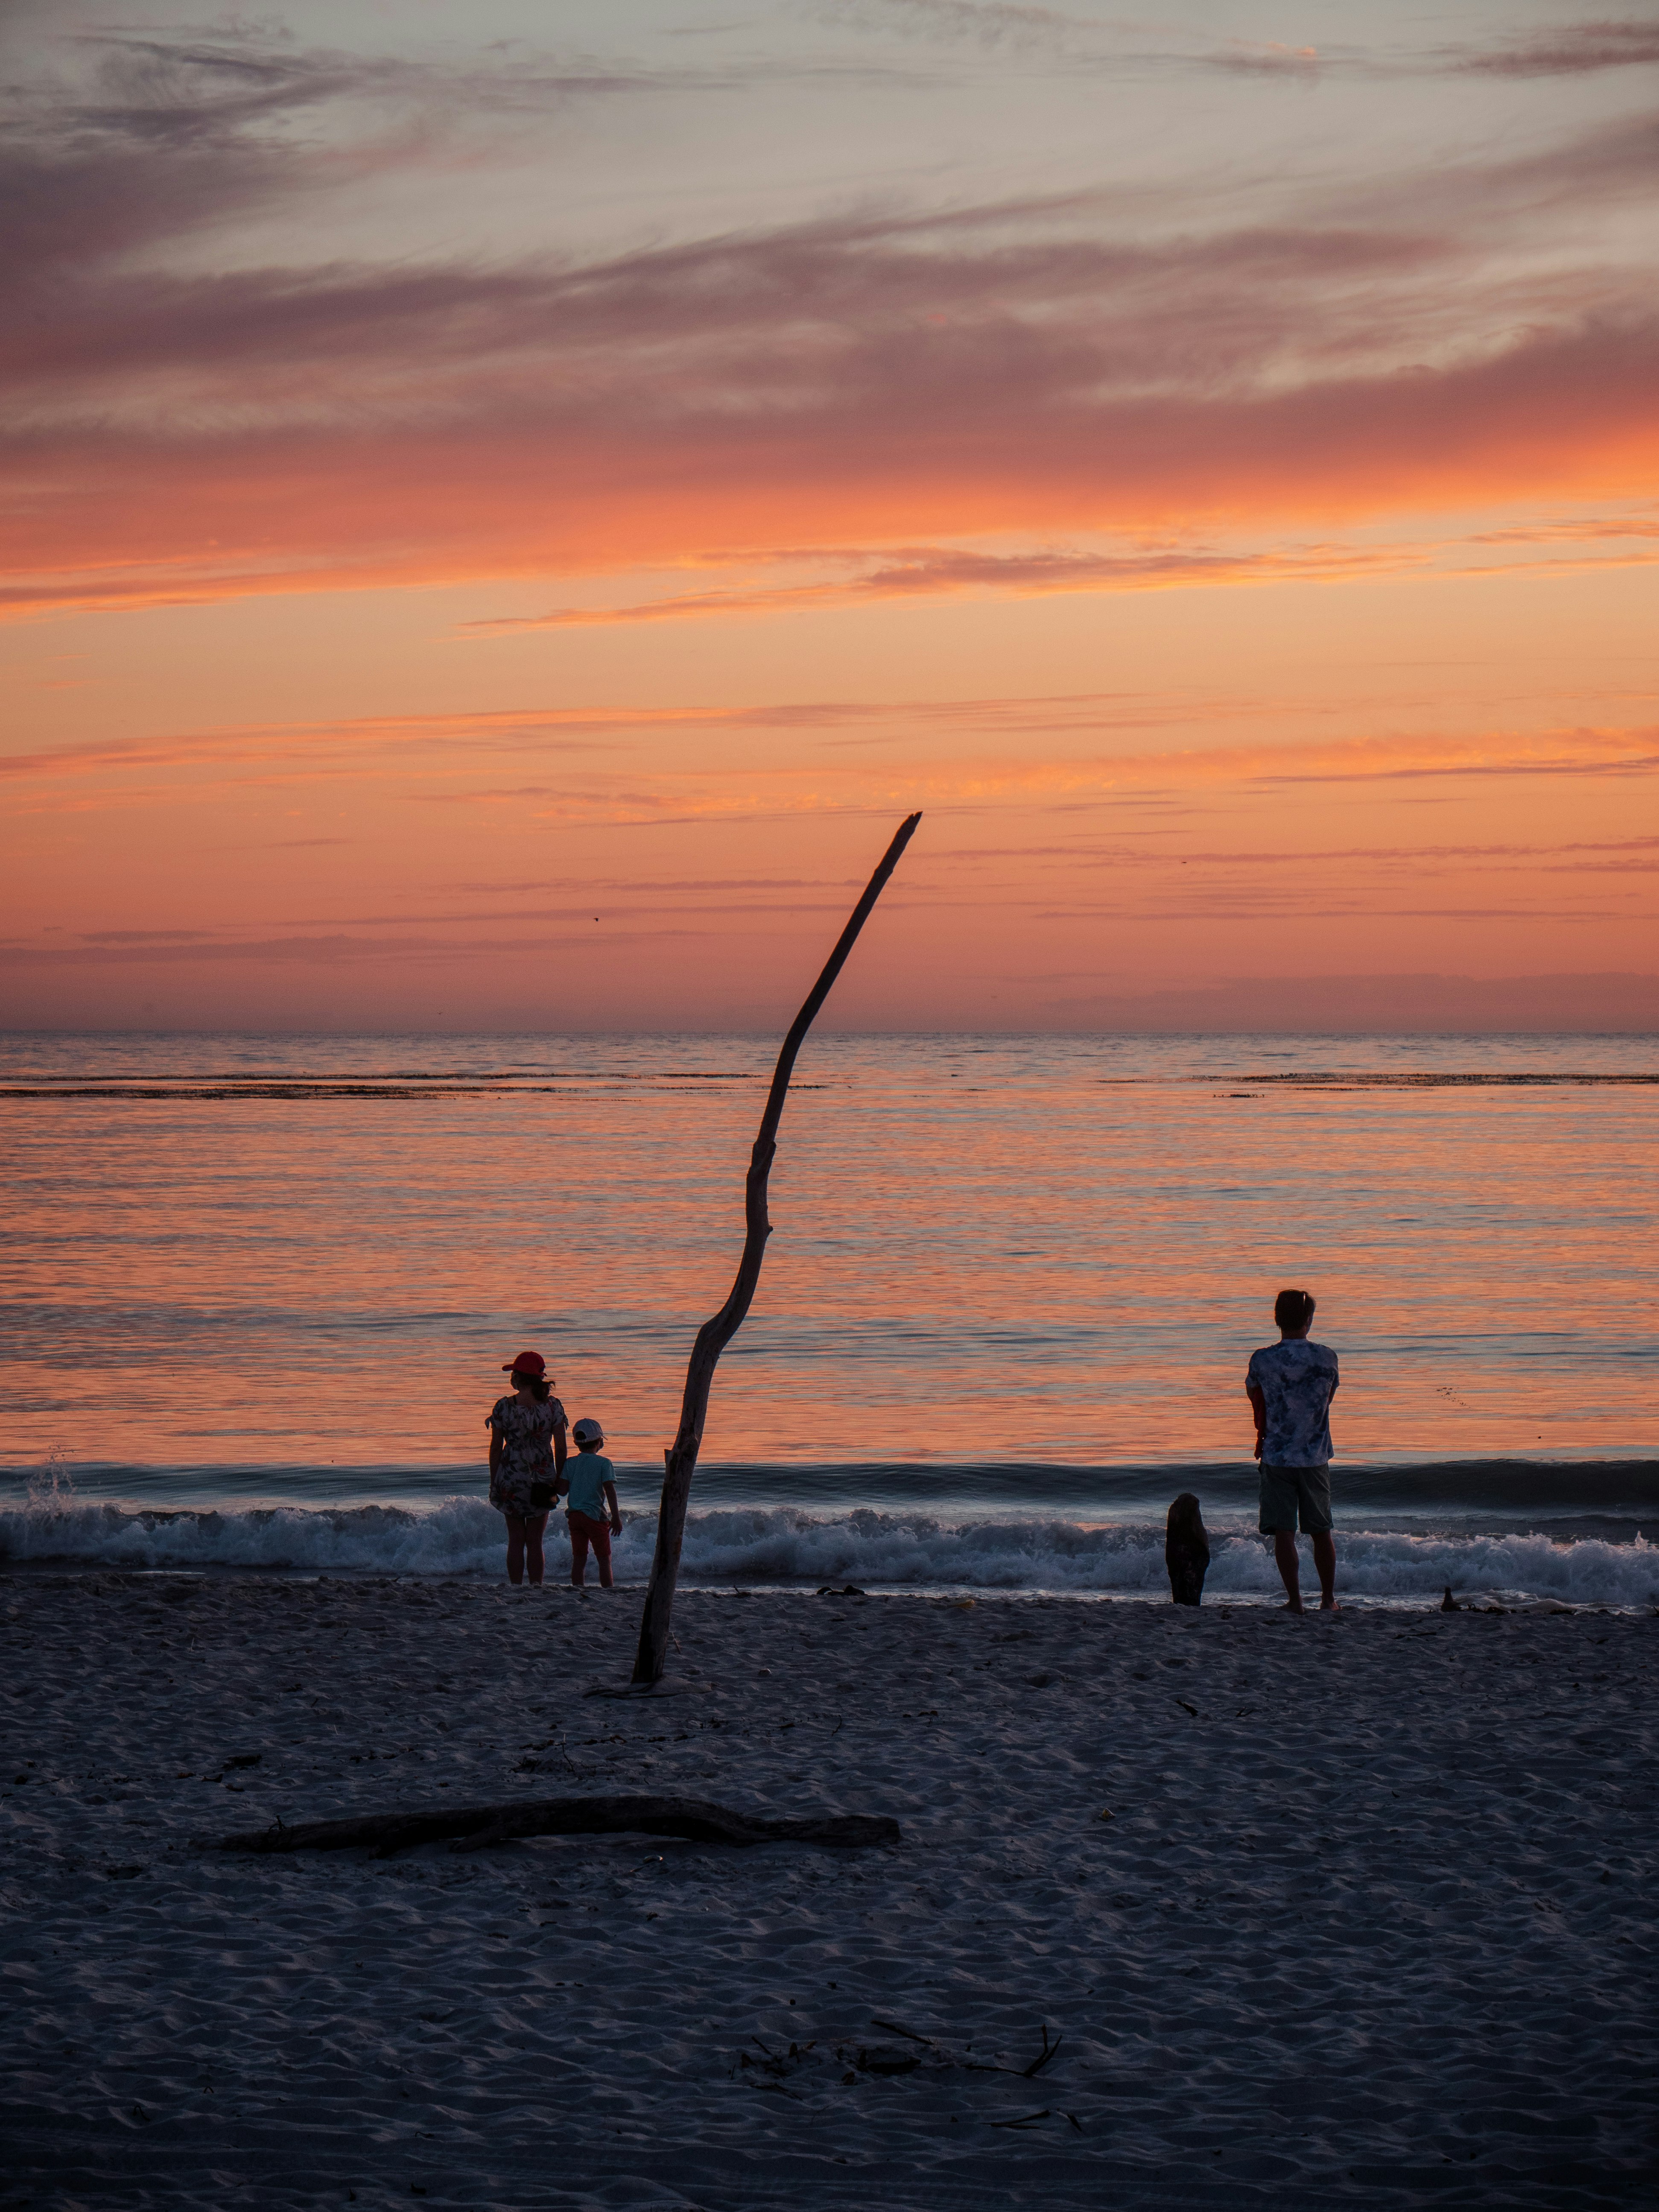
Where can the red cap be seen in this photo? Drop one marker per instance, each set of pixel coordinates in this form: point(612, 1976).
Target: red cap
point(527, 1363)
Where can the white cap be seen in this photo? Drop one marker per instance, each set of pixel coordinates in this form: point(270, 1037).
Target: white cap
point(588, 1433)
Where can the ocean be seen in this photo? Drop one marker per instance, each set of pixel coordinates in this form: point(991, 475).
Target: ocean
point(259, 1291)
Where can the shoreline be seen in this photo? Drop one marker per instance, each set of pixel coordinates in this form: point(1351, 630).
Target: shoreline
point(960, 1595)
point(1373, 1917)
point(1591, 1562)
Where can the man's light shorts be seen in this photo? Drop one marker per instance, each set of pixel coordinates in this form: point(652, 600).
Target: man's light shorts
point(1290, 1493)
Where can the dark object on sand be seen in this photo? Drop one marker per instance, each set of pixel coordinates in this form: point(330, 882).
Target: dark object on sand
point(846, 1589)
point(1186, 1551)
point(681, 1457)
point(884, 2058)
point(475, 1827)
point(1449, 1603)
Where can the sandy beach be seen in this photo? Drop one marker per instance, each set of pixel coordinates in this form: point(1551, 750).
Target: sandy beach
point(1373, 1917)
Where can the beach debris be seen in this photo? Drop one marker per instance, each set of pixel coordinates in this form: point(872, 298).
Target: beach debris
point(965, 1604)
point(884, 2058)
point(895, 2028)
point(1186, 1708)
point(847, 1589)
point(477, 1827)
point(243, 1759)
point(1040, 1682)
point(1048, 2051)
point(773, 2062)
point(1449, 1603)
point(1105, 1813)
point(1025, 2119)
point(680, 1458)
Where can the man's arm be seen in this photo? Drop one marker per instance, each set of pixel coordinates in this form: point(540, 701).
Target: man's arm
point(1259, 1406)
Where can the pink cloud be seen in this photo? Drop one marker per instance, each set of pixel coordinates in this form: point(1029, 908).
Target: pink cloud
point(1037, 366)
point(101, 520)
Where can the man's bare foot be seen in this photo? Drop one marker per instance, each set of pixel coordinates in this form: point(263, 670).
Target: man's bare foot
point(1292, 1605)
point(1329, 1604)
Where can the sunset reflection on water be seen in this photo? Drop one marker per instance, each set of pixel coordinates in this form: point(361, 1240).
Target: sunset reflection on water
point(1050, 1250)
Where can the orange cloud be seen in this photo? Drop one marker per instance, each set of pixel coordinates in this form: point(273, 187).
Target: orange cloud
point(937, 572)
point(101, 522)
point(617, 771)
point(1026, 366)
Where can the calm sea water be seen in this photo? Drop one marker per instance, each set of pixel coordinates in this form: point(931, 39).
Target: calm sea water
point(259, 1291)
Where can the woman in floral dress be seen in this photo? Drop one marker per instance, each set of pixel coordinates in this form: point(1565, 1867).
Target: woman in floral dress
point(526, 1458)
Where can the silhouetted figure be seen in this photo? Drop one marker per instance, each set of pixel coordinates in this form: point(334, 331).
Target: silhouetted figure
point(1290, 1385)
point(526, 1458)
point(1185, 1551)
point(592, 1513)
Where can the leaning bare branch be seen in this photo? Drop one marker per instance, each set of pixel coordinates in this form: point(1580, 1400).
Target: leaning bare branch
point(680, 1459)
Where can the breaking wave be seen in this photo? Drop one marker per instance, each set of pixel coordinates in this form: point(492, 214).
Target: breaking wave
point(782, 1547)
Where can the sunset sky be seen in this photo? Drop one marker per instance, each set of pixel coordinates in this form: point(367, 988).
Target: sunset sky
point(506, 507)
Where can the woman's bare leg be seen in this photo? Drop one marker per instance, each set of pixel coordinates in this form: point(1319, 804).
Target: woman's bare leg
point(532, 1549)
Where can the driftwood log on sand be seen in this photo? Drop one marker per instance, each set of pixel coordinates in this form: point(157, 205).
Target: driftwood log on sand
point(475, 1827)
point(680, 1460)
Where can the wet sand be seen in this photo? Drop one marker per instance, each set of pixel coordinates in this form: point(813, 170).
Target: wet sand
point(1374, 1916)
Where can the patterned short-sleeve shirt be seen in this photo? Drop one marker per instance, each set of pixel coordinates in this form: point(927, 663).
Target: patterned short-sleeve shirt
point(526, 1435)
point(1297, 1381)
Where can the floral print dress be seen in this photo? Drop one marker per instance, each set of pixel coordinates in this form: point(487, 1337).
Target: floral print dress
point(526, 1435)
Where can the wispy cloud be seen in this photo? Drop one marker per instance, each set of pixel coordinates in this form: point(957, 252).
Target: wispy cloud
point(1571, 49)
point(1061, 37)
point(1038, 366)
point(933, 572)
point(1009, 28)
point(626, 768)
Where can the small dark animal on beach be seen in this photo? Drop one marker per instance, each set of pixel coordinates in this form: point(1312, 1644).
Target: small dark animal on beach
point(1185, 1551)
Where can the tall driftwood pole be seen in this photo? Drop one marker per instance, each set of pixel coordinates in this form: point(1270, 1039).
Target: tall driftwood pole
point(719, 1330)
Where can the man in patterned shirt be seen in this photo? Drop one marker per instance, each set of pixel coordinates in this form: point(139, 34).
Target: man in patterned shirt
point(1290, 1385)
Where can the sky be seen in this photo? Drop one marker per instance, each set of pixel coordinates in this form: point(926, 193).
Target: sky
point(506, 508)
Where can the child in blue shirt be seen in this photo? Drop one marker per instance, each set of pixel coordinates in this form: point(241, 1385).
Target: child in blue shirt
point(593, 1512)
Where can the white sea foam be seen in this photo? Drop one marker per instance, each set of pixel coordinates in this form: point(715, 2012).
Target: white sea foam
point(462, 1536)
